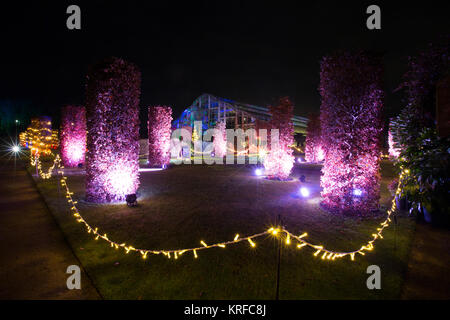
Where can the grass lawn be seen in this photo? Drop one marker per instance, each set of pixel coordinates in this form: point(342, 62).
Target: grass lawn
point(180, 206)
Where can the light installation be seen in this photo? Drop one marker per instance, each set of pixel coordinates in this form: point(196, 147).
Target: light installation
point(112, 116)
point(394, 152)
point(304, 192)
point(314, 150)
point(73, 135)
point(351, 125)
point(318, 249)
point(220, 140)
point(279, 162)
point(23, 139)
point(39, 136)
point(159, 134)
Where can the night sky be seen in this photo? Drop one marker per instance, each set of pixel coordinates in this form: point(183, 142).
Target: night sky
point(250, 51)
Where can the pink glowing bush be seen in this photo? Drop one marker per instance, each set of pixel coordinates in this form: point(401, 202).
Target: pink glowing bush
point(73, 135)
point(159, 134)
point(394, 152)
point(220, 140)
point(314, 151)
point(351, 124)
point(279, 162)
point(112, 114)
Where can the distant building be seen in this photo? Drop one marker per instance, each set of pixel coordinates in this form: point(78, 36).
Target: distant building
point(211, 109)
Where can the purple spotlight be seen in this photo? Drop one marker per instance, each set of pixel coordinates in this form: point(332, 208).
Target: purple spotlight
point(357, 192)
point(304, 192)
point(299, 160)
point(258, 172)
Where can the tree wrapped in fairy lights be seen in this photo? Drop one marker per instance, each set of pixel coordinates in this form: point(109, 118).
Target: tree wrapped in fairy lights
point(279, 162)
point(112, 114)
point(314, 151)
point(220, 140)
point(351, 124)
point(159, 134)
point(73, 135)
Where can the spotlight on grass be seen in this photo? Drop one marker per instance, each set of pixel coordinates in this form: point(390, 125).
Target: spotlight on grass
point(258, 172)
point(304, 192)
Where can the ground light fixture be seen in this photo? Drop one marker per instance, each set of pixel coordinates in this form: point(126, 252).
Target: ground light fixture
point(258, 172)
point(131, 200)
point(15, 149)
point(304, 192)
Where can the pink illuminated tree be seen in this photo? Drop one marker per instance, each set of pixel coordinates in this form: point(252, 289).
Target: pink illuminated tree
point(314, 151)
point(351, 124)
point(159, 134)
point(73, 135)
point(220, 140)
point(279, 162)
point(394, 150)
point(112, 114)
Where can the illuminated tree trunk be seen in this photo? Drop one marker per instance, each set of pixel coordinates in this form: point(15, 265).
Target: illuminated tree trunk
point(351, 124)
point(112, 113)
point(159, 134)
point(313, 150)
point(220, 141)
point(279, 162)
point(73, 135)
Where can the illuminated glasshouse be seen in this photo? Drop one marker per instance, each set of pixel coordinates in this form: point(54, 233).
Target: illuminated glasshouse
point(211, 110)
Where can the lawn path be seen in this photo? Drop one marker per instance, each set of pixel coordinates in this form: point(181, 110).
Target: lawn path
point(33, 252)
point(429, 265)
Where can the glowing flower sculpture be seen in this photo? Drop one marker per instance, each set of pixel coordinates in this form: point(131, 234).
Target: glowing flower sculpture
point(159, 134)
point(73, 135)
point(220, 140)
point(313, 150)
point(279, 162)
point(112, 114)
point(351, 124)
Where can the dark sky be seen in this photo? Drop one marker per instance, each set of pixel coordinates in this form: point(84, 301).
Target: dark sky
point(250, 51)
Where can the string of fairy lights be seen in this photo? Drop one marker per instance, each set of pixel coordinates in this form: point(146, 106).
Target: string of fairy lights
point(288, 237)
point(48, 174)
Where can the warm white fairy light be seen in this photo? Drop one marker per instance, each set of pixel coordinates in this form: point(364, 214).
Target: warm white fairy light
point(277, 232)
